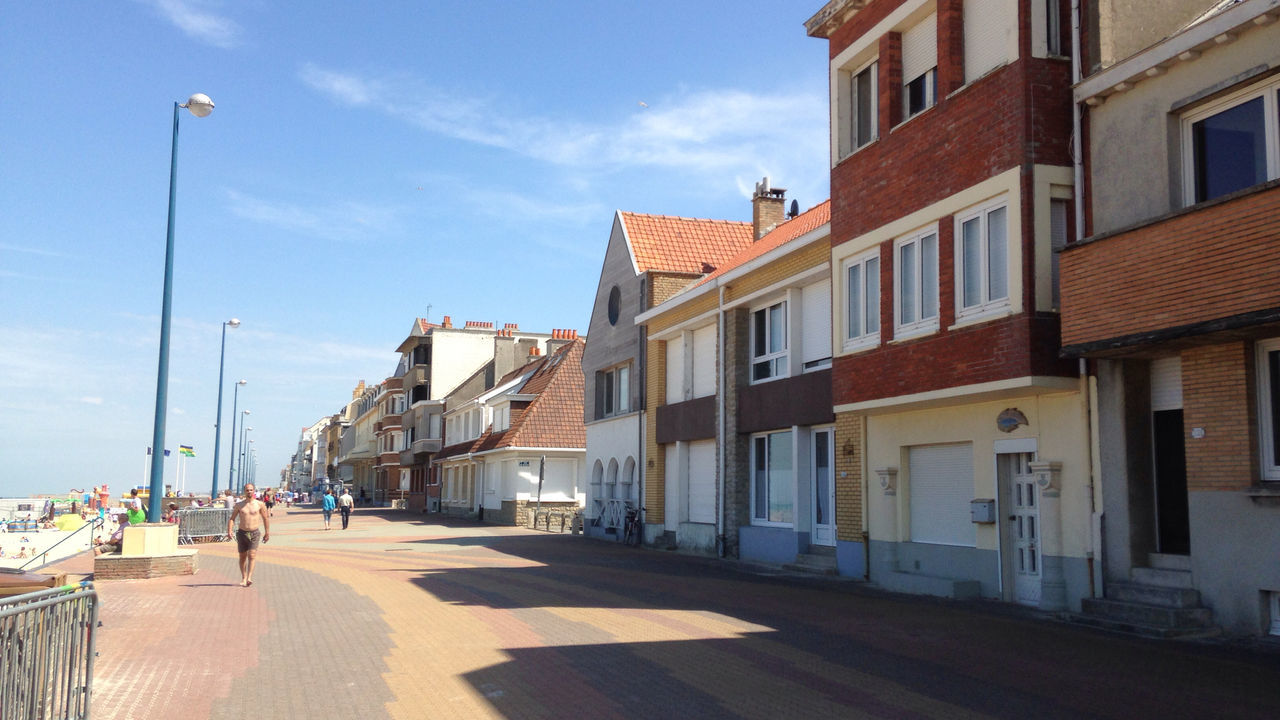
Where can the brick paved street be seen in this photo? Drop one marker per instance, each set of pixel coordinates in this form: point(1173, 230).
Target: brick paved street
point(402, 618)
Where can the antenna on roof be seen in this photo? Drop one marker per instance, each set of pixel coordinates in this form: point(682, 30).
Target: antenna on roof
point(427, 317)
point(795, 210)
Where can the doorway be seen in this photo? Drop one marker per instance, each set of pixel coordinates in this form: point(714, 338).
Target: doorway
point(1019, 528)
point(1173, 524)
point(822, 461)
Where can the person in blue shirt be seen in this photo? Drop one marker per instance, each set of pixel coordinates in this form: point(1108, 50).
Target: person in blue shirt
point(329, 505)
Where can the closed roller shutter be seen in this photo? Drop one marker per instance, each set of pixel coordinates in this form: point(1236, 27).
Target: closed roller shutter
point(1166, 383)
point(702, 481)
point(920, 48)
point(941, 486)
point(704, 361)
point(675, 370)
point(988, 34)
point(816, 321)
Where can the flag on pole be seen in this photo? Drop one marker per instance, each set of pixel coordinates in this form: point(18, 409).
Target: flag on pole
point(187, 450)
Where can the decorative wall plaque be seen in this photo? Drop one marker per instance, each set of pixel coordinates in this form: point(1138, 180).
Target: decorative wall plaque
point(1010, 419)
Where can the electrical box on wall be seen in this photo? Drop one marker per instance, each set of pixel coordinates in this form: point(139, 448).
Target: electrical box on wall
point(983, 510)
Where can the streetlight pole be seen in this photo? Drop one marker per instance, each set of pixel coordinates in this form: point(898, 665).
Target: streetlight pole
point(200, 105)
point(235, 415)
point(244, 445)
point(217, 425)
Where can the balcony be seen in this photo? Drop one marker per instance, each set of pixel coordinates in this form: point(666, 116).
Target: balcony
point(417, 375)
point(390, 457)
point(1207, 269)
point(390, 421)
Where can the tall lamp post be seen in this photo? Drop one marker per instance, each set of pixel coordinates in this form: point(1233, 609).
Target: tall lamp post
point(200, 105)
point(231, 471)
point(217, 425)
point(244, 447)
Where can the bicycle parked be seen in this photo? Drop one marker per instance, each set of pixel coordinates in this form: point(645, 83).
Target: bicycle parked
point(633, 527)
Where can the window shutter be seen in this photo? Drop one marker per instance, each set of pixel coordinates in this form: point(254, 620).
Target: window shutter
point(704, 361)
point(1166, 383)
point(816, 321)
point(1057, 241)
point(920, 48)
point(702, 481)
point(988, 31)
point(599, 409)
point(941, 486)
point(675, 370)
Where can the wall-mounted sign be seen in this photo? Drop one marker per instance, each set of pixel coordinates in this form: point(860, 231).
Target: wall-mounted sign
point(1010, 419)
point(524, 463)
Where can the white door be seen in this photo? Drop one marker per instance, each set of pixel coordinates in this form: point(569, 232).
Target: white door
point(702, 481)
point(1025, 518)
point(824, 488)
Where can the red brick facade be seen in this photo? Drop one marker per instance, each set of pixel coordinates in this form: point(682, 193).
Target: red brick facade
point(1218, 397)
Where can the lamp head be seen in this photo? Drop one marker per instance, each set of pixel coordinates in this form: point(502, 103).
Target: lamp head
point(244, 412)
point(199, 105)
point(243, 382)
point(233, 322)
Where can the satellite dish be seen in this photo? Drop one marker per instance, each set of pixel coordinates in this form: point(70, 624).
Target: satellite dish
point(795, 208)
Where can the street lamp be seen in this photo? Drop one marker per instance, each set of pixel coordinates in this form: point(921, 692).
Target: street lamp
point(217, 425)
point(244, 434)
point(200, 105)
point(231, 471)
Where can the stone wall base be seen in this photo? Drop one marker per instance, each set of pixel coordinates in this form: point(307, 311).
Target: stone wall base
point(141, 567)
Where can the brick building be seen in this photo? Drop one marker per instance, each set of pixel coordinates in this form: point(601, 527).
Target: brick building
point(951, 184)
point(1172, 296)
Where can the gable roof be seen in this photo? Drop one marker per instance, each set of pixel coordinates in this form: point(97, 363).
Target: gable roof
point(798, 226)
point(679, 244)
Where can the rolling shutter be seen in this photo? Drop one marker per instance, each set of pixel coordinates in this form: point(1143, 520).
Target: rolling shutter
point(941, 486)
point(675, 370)
point(988, 33)
point(920, 48)
point(702, 481)
point(1166, 383)
point(816, 321)
point(704, 361)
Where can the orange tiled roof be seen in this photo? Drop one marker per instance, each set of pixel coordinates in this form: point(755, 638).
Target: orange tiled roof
point(554, 417)
point(798, 226)
point(677, 244)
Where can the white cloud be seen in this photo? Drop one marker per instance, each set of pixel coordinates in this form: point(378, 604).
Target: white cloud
point(33, 250)
point(341, 221)
point(719, 132)
point(191, 17)
point(90, 400)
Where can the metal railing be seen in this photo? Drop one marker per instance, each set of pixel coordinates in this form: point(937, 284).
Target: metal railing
point(46, 653)
point(614, 513)
point(94, 524)
point(202, 523)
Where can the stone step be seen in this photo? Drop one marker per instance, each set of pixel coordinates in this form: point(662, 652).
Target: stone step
point(1147, 615)
point(1150, 631)
point(827, 550)
point(813, 564)
point(1168, 561)
point(1161, 577)
point(1171, 597)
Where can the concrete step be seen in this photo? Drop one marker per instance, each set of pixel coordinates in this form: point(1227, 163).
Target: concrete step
point(1151, 631)
point(814, 564)
point(1161, 577)
point(1147, 615)
point(930, 585)
point(1171, 597)
point(827, 550)
point(1167, 561)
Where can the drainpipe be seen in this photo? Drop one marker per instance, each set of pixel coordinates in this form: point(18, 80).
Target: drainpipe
point(720, 539)
point(1076, 134)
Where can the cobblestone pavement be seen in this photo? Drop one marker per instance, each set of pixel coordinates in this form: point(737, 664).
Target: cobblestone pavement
point(404, 618)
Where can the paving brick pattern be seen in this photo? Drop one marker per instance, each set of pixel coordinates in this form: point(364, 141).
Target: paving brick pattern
point(400, 618)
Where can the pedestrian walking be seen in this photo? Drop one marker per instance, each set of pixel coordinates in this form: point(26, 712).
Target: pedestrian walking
point(255, 527)
point(328, 507)
point(344, 504)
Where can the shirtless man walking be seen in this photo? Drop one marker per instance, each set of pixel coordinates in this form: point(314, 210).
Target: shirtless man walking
point(255, 526)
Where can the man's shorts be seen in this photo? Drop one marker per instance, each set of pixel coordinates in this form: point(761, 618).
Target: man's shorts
point(328, 514)
point(247, 540)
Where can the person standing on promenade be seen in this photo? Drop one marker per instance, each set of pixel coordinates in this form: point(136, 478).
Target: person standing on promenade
point(137, 515)
point(255, 527)
point(328, 507)
point(344, 504)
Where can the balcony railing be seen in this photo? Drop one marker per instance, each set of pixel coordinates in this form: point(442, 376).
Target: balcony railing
point(613, 513)
point(1208, 268)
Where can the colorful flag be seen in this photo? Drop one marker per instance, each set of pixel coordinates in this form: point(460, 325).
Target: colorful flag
point(166, 453)
point(187, 450)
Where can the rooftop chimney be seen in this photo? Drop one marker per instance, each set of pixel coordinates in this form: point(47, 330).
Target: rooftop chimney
point(534, 351)
point(768, 208)
point(447, 322)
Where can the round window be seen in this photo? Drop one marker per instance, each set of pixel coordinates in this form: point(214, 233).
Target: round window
point(615, 305)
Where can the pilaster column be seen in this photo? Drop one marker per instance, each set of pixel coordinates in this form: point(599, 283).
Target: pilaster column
point(1053, 583)
point(885, 557)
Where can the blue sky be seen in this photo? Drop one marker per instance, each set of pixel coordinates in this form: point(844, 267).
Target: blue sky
point(366, 164)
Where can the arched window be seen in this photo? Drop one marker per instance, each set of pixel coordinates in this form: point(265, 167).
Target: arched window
point(611, 479)
point(628, 478)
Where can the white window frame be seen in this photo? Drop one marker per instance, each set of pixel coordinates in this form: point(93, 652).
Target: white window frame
point(921, 325)
point(615, 401)
point(774, 357)
point(1268, 90)
point(986, 305)
point(1268, 467)
point(930, 75)
point(870, 306)
point(765, 521)
point(849, 131)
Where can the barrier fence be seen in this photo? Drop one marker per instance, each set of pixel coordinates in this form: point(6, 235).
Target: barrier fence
point(46, 653)
point(203, 523)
